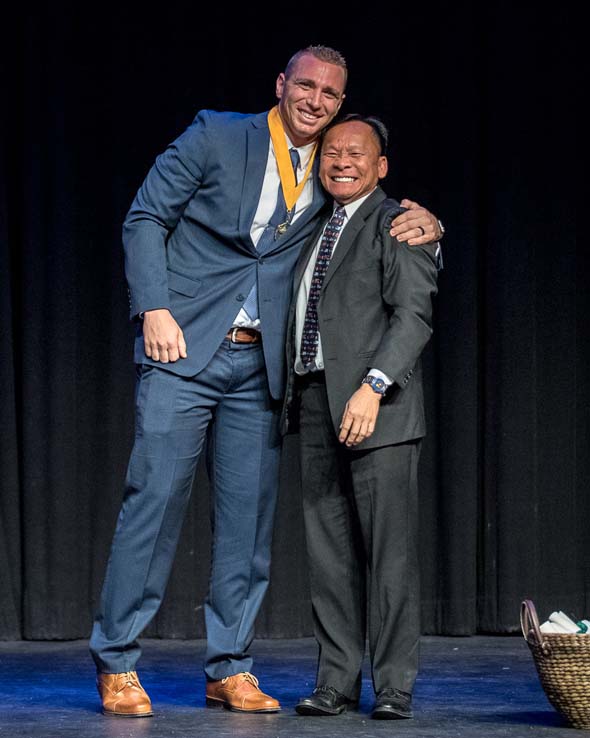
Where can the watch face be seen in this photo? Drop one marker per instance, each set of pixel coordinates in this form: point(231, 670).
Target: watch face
point(376, 383)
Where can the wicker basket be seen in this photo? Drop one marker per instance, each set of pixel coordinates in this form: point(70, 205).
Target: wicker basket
point(563, 665)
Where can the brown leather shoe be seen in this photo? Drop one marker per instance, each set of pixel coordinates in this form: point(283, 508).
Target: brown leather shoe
point(123, 695)
point(240, 693)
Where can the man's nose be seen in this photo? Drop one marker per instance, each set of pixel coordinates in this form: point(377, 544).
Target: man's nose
point(342, 161)
point(315, 98)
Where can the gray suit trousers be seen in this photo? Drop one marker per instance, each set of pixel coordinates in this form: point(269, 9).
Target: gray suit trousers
point(361, 520)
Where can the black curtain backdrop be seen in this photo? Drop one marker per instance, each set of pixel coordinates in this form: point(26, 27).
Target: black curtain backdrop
point(479, 104)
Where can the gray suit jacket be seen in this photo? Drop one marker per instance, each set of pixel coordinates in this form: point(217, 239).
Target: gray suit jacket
point(374, 311)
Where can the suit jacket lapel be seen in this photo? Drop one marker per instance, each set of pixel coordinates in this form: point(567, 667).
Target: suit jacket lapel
point(351, 229)
point(257, 143)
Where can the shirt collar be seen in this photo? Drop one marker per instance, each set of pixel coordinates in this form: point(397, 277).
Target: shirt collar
point(352, 207)
point(304, 151)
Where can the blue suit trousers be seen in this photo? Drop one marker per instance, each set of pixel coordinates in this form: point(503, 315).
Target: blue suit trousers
point(229, 404)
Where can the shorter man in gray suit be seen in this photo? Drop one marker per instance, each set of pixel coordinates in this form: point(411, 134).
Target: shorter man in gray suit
point(360, 317)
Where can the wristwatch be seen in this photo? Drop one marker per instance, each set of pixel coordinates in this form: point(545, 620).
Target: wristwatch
point(376, 383)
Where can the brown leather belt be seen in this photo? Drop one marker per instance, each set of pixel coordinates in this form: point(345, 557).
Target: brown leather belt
point(244, 335)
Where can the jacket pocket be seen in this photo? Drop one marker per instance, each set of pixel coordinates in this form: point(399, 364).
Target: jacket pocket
point(183, 285)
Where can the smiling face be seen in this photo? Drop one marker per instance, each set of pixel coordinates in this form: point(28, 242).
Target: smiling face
point(310, 97)
point(351, 164)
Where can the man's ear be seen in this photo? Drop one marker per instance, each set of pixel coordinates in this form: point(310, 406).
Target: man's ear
point(382, 167)
point(280, 85)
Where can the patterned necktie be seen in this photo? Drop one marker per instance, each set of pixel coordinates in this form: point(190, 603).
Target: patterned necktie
point(269, 235)
point(309, 337)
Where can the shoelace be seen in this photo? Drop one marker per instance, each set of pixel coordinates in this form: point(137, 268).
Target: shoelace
point(246, 677)
point(326, 690)
point(392, 693)
point(127, 679)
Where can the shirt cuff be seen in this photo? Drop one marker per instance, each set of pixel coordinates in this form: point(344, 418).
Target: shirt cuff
point(380, 375)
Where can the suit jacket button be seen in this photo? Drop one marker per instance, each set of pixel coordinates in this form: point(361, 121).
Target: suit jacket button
point(240, 297)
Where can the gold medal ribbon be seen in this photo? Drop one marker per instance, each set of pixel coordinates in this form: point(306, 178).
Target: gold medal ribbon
point(277, 134)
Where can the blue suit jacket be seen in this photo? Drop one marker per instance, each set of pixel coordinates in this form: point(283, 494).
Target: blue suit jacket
point(188, 247)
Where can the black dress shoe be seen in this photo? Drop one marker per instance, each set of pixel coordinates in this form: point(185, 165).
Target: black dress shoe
point(392, 704)
point(324, 701)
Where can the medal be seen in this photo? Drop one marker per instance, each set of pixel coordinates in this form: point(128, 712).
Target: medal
point(282, 227)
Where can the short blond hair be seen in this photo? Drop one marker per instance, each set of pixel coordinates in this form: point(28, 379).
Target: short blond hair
point(323, 53)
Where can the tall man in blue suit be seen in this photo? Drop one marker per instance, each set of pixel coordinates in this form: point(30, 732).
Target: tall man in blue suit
point(211, 241)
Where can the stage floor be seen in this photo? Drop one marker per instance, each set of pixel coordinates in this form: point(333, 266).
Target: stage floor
point(480, 687)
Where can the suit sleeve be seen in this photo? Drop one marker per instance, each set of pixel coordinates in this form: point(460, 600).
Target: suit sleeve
point(158, 205)
point(409, 283)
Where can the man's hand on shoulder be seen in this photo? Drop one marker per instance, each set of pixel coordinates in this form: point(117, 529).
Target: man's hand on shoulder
point(417, 225)
point(162, 336)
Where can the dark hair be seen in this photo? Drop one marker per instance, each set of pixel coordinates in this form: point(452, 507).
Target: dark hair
point(378, 126)
point(323, 53)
